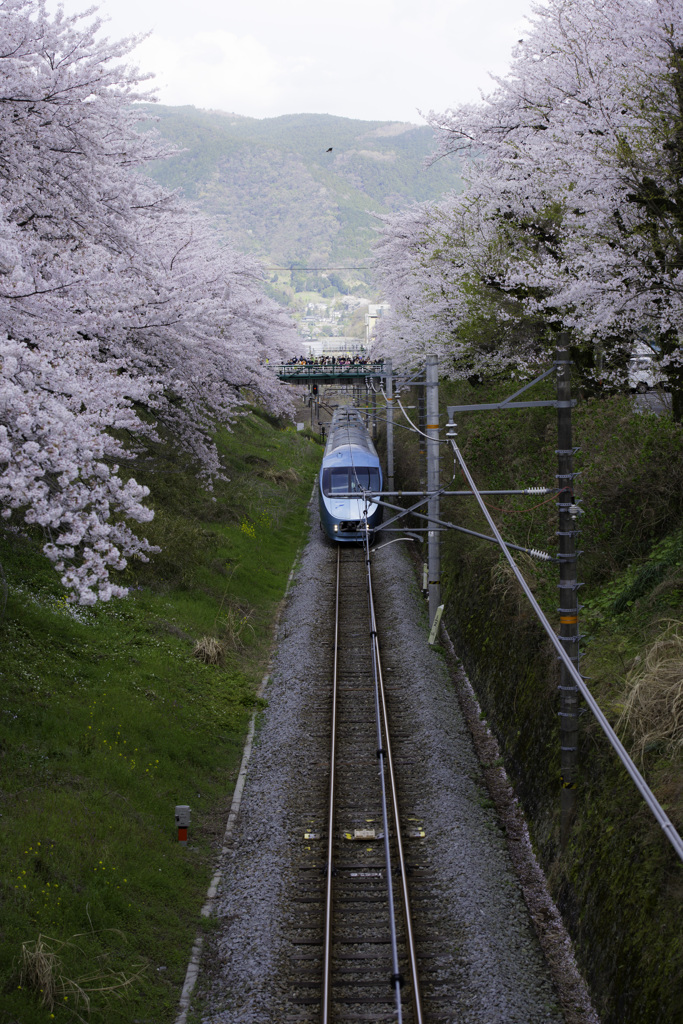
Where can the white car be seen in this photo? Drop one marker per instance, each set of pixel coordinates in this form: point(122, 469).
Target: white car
point(643, 374)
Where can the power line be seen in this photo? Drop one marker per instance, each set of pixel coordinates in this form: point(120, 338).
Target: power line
point(291, 268)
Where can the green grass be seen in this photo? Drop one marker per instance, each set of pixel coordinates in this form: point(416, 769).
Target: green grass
point(107, 721)
point(624, 619)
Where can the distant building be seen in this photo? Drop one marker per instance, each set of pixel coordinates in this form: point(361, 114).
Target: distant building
point(375, 311)
point(342, 346)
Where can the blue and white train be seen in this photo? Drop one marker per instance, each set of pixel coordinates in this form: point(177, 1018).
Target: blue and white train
point(350, 465)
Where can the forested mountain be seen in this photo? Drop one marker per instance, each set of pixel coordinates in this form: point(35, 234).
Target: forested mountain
point(300, 188)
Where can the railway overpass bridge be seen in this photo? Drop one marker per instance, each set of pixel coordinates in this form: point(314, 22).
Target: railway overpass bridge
point(327, 373)
point(365, 380)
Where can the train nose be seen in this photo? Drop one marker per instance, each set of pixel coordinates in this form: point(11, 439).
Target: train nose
point(350, 526)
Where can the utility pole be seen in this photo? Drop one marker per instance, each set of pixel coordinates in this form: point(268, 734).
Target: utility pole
point(374, 412)
point(568, 587)
point(389, 391)
point(433, 454)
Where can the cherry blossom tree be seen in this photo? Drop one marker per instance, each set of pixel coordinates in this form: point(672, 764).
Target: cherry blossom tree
point(418, 323)
point(441, 267)
point(113, 295)
point(574, 172)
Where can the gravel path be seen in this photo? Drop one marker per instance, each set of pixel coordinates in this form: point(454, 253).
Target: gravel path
point(506, 979)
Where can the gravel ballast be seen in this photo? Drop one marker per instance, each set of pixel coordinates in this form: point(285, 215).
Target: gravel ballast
point(504, 977)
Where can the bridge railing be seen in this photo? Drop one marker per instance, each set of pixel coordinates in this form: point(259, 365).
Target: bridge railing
point(337, 370)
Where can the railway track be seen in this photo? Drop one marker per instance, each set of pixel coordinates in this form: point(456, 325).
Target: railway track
point(368, 940)
point(478, 959)
point(355, 954)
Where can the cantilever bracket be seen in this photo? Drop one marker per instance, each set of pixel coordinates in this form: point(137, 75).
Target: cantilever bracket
point(509, 403)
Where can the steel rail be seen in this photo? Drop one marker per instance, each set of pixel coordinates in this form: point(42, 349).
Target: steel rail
point(396, 979)
point(410, 937)
point(327, 953)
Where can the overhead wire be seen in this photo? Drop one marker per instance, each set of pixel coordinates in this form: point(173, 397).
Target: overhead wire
point(412, 425)
point(650, 799)
point(523, 511)
point(656, 808)
point(382, 751)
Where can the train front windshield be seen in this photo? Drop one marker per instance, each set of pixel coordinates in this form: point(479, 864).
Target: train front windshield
point(349, 479)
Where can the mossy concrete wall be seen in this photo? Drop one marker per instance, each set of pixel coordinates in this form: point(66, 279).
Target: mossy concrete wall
point(618, 883)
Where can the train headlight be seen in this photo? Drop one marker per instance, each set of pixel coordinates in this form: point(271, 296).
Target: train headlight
point(335, 527)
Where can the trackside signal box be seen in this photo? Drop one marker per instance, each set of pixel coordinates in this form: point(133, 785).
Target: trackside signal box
point(182, 820)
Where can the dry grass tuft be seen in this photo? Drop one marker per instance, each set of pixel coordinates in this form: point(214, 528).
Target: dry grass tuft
point(40, 969)
point(281, 476)
point(209, 650)
point(504, 582)
point(652, 709)
point(234, 623)
point(41, 972)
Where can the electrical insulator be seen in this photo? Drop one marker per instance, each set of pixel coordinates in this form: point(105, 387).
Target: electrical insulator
point(537, 490)
point(542, 555)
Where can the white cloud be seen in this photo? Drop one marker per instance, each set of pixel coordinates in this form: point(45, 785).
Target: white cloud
point(211, 69)
point(374, 59)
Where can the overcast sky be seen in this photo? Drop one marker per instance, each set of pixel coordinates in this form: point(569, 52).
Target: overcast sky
point(370, 59)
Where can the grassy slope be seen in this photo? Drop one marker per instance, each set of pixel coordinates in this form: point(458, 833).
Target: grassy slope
point(108, 721)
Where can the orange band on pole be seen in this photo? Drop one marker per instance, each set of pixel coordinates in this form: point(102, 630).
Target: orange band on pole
point(432, 426)
point(569, 620)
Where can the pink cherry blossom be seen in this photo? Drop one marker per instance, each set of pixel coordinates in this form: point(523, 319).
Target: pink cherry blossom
point(114, 295)
point(571, 212)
